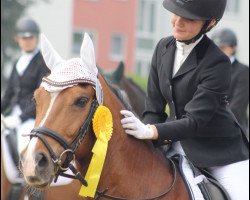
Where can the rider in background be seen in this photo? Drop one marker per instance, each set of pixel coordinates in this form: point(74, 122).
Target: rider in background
point(226, 40)
point(17, 107)
point(191, 74)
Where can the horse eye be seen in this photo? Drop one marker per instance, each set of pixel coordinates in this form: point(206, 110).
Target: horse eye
point(81, 102)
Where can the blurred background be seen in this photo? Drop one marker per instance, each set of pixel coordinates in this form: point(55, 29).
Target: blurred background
point(122, 30)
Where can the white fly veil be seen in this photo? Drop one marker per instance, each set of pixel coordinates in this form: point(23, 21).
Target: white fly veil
point(68, 73)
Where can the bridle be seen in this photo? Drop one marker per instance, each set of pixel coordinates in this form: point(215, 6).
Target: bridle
point(70, 151)
point(70, 147)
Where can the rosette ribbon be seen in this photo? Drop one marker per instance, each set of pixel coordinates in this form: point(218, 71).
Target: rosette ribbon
point(103, 128)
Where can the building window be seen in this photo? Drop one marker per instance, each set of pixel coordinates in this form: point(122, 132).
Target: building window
point(152, 17)
point(77, 40)
point(146, 25)
point(142, 67)
point(145, 43)
point(233, 6)
point(117, 47)
point(146, 18)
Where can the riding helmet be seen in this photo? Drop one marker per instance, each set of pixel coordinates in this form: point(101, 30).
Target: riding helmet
point(196, 9)
point(27, 27)
point(225, 37)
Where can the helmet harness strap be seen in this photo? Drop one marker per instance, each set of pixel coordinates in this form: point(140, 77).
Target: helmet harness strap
point(203, 30)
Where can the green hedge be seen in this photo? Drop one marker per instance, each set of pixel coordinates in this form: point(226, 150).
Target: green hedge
point(141, 81)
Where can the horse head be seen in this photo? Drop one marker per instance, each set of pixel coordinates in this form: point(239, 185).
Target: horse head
point(65, 104)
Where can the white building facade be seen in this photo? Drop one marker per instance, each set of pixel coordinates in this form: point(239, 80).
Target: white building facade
point(55, 21)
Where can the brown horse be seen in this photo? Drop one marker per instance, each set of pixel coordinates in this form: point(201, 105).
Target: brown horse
point(133, 169)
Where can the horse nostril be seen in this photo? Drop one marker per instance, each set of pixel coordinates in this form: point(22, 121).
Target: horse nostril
point(41, 161)
point(32, 179)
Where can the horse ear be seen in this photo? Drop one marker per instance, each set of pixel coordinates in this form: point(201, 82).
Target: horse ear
point(119, 72)
point(50, 56)
point(88, 53)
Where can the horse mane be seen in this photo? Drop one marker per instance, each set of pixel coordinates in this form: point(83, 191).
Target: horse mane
point(121, 95)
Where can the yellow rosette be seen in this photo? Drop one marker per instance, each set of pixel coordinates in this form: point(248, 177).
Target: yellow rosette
point(103, 128)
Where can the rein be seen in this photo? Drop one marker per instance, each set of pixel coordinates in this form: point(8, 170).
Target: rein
point(70, 148)
point(102, 194)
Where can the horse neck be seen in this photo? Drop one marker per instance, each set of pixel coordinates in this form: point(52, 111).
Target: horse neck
point(128, 157)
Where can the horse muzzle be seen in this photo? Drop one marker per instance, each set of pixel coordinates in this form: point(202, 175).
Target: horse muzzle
point(37, 171)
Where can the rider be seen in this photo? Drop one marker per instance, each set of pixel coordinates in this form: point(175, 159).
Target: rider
point(239, 87)
point(191, 74)
point(17, 105)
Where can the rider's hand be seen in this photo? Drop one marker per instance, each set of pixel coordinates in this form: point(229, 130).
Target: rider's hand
point(133, 126)
point(12, 121)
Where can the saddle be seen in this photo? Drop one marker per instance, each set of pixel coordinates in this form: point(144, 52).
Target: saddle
point(210, 188)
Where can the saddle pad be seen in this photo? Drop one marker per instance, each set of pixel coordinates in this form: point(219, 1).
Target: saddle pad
point(191, 181)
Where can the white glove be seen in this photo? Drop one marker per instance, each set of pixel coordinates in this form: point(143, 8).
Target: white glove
point(12, 121)
point(133, 126)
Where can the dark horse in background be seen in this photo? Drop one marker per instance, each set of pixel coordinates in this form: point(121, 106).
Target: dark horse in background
point(136, 95)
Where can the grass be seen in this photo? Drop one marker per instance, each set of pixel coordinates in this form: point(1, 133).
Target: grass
point(141, 81)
